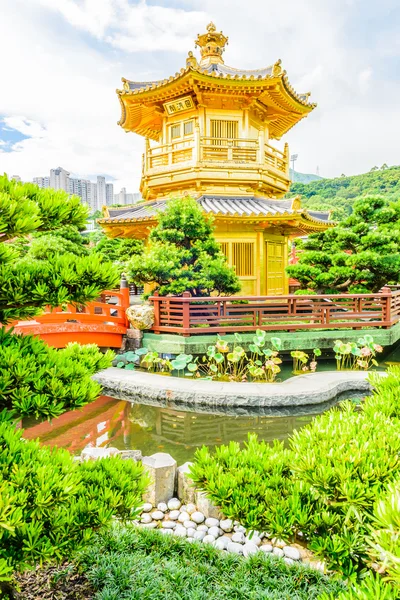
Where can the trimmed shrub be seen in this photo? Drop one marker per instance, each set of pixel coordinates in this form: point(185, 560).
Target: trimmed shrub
point(50, 505)
point(38, 380)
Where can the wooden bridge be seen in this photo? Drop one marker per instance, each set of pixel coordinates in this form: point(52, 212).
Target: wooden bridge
point(103, 322)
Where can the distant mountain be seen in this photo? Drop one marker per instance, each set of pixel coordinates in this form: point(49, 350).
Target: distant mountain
point(303, 177)
point(339, 194)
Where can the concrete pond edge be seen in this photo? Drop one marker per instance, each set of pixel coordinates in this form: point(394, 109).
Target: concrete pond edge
point(301, 390)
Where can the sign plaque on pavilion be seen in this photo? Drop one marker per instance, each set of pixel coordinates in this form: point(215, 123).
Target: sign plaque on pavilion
point(208, 132)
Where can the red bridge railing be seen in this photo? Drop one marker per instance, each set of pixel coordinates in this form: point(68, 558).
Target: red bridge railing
point(188, 315)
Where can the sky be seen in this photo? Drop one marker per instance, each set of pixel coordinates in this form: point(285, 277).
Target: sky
point(62, 61)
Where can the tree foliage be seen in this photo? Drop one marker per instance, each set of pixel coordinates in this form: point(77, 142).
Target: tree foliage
point(118, 250)
point(361, 254)
point(51, 269)
point(183, 255)
point(339, 194)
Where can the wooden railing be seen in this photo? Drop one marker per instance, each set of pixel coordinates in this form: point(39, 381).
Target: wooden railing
point(228, 149)
point(195, 316)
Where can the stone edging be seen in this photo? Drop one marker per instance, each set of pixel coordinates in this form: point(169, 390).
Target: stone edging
point(311, 388)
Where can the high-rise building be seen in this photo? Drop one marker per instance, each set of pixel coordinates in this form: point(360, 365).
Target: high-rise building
point(42, 182)
point(123, 198)
point(109, 194)
point(16, 178)
point(59, 179)
point(101, 191)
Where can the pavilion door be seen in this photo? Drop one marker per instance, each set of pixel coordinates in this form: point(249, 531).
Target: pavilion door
point(275, 252)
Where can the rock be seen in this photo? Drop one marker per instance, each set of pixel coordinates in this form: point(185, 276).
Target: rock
point(199, 535)
point(162, 470)
point(235, 548)
point(239, 529)
point(190, 532)
point(93, 453)
point(174, 514)
point(190, 508)
point(168, 524)
point(291, 553)
point(289, 561)
point(205, 506)
point(151, 525)
point(202, 528)
point(197, 517)
point(162, 506)
point(140, 316)
point(180, 532)
point(266, 548)
point(189, 525)
point(210, 522)
point(146, 518)
point(135, 455)
point(215, 531)
point(208, 539)
point(278, 552)
point(166, 531)
point(157, 515)
point(183, 508)
point(238, 537)
point(186, 488)
point(278, 543)
point(222, 543)
point(147, 507)
point(183, 516)
point(252, 540)
point(226, 525)
point(174, 504)
point(249, 548)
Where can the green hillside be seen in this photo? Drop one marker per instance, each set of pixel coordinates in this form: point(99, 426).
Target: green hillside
point(339, 194)
point(303, 177)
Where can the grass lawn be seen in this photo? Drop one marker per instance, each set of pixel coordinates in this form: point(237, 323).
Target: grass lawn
point(133, 564)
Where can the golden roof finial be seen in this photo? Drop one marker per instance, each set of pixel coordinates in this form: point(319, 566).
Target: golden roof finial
point(212, 46)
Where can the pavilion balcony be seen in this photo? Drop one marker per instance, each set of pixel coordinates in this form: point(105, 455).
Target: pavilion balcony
point(247, 159)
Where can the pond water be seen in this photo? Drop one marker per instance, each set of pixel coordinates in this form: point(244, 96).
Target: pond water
point(177, 430)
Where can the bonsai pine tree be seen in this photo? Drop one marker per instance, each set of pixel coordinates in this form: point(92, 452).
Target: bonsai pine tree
point(183, 255)
point(359, 255)
point(29, 281)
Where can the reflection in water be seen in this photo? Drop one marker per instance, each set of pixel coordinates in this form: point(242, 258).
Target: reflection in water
point(177, 430)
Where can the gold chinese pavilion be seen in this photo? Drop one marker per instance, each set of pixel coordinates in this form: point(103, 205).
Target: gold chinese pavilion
point(207, 133)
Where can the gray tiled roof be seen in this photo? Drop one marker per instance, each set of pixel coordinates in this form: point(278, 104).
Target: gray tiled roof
point(219, 205)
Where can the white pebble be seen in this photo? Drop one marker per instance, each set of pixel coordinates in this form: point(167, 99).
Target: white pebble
point(197, 517)
point(157, 515)
point(289, 561)
point(190, 532)
point(266, 548)
point(278, 543)
point(162, 506)
point(190, 525)
point(208, 539)
point(174, 504)
point(278, 552)
point(214, 531)
point(146, 518)
point(249, 548)
point(180, 532)
point(235, 548)
point(183, 508)
point(253, 540)
point(199, 535)
point(151, 525)
point(166, 531)
point(211, 522)
point(222, 543)
point(202, 528)
point(239, 529)
point(226, 525)
point(190, 508)
point(174, 514)
point(183, 516)
point(291, 553)
point(147, 507)
point(238, 537)
point(168, 524)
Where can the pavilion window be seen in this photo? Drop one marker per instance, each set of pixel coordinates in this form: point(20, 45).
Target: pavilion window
point(225, 249)
point(175, 131)
point(243, 258)
point(188, 128)
point(223, 131)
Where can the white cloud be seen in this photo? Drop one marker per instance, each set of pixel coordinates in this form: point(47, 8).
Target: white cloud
point(60, 71)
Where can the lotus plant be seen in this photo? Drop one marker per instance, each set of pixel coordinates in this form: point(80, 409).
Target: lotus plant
point(358, 355)
point(301, 364)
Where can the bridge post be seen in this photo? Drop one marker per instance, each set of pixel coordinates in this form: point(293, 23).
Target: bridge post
point(124, 290)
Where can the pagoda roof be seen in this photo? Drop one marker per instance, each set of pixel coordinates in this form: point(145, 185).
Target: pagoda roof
point(268, 89)
point(224, 207)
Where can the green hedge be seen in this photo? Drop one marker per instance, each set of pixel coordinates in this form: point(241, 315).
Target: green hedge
point(323, 488)
point(50, 505)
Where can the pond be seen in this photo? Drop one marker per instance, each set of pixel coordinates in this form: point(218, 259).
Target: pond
point(172, 429)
